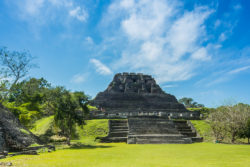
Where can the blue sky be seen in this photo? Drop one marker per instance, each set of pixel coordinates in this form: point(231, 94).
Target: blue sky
point(198, 49)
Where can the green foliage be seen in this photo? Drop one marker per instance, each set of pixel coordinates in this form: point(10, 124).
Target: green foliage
point(190, 103)
point(245, 131)
point(4, 85)
point(15, 64)
point(204, 129)
point(24, 131)
point(228, 121)
point(42, 126)
point(24, 112)
point(70, 109)
point(204, 111)
point(92, 129)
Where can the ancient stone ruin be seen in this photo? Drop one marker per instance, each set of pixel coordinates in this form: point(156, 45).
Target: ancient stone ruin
point(149, 114)
point(13, 135)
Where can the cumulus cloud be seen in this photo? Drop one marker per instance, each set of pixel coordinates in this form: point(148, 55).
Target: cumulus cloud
point(100, 67)
point(160, 39)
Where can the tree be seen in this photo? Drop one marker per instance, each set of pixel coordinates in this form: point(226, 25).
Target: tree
point(245, 132)
point(217, 124)
point(229, 120)
point(190, 103)
point(15, 64)
point(71, 109)
point(26, 100)
point(4, 84)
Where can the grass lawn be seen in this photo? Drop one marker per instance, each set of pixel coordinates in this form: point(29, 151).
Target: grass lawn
point(124, 155)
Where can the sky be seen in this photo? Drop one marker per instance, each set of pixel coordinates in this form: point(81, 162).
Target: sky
point(198, 49)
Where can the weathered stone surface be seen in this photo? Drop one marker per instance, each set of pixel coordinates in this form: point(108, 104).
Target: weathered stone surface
point(118, 132)
point(150, 130)
point(148, 109)
point(131, 94)
point(13, 135)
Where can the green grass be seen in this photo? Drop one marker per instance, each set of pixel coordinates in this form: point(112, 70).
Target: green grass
point(204, 129)
point(124, 155)
point(41, 126)
point(92, 129)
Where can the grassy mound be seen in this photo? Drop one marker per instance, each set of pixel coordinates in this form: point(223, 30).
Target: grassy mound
point(204, 129)
point(41, 126)
point(44, 128)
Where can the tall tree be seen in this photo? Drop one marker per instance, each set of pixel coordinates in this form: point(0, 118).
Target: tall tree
point(229, 120)
point(15, 65)
point(190, 103)
point(71, 109)
point(245, 132)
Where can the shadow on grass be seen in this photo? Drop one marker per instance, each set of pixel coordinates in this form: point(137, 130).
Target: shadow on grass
point(84, 146)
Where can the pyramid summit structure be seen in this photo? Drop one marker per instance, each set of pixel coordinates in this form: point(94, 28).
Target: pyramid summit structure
point(136, 94)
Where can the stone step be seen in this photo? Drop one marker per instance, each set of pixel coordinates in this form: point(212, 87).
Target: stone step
point(118, 124)
point(182, 125)
point(180, 121)
point(180, 128)
point(118, 134)
point(162, 142)
point(114, 139)
point(119, 121)
point(119, 127)
point(118, 130)
point(157, 138)
point(185, 130)
point(197, 139)
point(189, 134)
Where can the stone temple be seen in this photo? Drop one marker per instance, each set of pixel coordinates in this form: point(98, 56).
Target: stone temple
point(146, 114)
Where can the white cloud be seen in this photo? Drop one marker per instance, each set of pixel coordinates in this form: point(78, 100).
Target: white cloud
point(238, 70)
point(43, 11)
point(221, 76)
point(100, 67)
point(169, 86)
point(79, 78)
point(159, 39)
point(79, 13)
point(201, 54)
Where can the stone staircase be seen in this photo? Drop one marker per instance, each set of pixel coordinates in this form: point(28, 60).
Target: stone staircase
point(118, 132)
point(154, 130)
point(151, 130)
point(186, 129)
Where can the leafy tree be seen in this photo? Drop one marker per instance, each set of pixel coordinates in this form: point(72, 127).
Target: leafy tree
point(229, 120)
point(190, 103)
point(71, 109)
point(216, 120)
point(245, 132)
point(4, 84)
point(32, 90)
point(15, 64)
point(26, 100)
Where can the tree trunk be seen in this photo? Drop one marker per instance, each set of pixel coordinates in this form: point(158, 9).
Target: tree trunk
point(68, 140)
point(233, 137)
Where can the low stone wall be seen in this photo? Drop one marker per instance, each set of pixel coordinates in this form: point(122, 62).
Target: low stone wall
point(170, 115)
